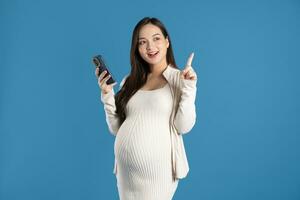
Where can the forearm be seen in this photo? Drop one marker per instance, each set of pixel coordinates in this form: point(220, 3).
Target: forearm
point(111, 116)
point(185, 117)
point(108, 99)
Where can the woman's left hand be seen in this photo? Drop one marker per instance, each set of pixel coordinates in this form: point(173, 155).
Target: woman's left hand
point(188, 72)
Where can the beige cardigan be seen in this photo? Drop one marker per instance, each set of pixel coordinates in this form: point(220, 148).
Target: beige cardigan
point(182, 120)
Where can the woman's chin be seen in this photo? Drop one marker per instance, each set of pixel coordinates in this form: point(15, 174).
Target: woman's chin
point(154, 61)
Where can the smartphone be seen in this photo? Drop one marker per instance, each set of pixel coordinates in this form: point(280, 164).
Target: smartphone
point(99, 62)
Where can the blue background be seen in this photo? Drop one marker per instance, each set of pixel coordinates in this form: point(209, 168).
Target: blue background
point(54, 141)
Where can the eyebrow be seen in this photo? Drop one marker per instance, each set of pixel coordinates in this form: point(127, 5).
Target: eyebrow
point(152, 36)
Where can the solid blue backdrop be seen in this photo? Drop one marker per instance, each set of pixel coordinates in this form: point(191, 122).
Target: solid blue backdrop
point(54, 141)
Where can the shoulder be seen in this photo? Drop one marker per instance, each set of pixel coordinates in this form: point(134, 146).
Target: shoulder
point(171, 72)
point(175, 74)
point(174, 69)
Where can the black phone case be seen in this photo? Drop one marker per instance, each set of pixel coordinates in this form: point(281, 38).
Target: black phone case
point(99, 62)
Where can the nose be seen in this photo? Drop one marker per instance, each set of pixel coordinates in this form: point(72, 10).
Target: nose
point(149, 45)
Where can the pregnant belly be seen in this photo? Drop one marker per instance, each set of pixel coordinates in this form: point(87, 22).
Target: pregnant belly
point(139, 146)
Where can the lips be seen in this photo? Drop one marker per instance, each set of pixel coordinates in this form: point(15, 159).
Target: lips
point(152, 54)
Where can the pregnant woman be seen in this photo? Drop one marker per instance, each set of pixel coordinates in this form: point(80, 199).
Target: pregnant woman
point(154, 107)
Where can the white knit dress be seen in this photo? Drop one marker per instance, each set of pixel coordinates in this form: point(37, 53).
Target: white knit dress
point(143, 148)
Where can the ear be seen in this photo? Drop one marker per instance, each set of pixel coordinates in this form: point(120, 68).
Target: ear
point(167, 39)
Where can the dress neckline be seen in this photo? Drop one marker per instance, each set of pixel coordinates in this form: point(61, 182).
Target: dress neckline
point(153, 89)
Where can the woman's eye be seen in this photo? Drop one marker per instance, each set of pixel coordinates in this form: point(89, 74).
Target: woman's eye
point(157, 38)
point(141, 42)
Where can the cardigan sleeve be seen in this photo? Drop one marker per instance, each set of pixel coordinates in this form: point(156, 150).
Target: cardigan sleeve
point(112, 119)
point(185, 117)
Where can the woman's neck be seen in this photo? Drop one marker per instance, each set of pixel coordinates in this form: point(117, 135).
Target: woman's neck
point(157, 70)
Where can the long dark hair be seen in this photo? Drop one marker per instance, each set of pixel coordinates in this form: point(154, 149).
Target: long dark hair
point(139, 68)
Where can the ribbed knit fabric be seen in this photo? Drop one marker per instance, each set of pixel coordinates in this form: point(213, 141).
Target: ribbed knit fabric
point(143, 147)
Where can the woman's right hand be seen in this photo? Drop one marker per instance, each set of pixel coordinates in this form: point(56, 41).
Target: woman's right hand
point(105, 88)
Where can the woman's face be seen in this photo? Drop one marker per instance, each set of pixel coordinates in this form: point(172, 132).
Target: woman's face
point(152, 44)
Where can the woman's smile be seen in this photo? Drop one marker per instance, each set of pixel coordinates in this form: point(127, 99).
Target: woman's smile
point(153, 54)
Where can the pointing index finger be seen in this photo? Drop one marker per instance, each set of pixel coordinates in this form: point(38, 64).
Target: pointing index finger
point(190, 59)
